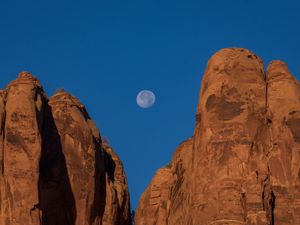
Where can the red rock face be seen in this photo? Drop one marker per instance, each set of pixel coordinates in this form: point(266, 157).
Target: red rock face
point(55, 168)
point(242, 165)
point(166, 200)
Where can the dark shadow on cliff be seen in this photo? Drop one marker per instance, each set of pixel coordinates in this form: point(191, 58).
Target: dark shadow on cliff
point(98, 207)
point(56, 199)
point(112, 177)
point(110, 166)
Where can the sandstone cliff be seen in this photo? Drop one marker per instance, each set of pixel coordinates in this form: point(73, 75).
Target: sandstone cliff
point(242, 165)
point(55, 169)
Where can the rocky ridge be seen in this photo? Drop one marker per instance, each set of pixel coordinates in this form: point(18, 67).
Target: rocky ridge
point(55, 169)
point(242, 166)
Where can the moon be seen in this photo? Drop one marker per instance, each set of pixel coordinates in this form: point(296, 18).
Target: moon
point(145, 99)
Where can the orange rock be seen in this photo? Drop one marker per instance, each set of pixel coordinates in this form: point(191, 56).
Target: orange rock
point(242, 166)
point(22, 151)
point(55, 169)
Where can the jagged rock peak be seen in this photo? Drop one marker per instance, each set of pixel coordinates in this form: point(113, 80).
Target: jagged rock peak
point(26, 78)
point(278, 70)
point(26, 74)
point(63, 99)
point(65, 96)
point(228, 59)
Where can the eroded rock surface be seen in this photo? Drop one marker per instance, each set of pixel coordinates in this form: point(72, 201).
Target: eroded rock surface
point(55, 170)
point(242, 165)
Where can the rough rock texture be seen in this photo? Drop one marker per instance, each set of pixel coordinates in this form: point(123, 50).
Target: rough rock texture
point(55, 170)
point(242, 165)
point(162, 202)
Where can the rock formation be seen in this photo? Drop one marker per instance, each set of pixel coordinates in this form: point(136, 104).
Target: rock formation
point(55, 169)
point(242, 166)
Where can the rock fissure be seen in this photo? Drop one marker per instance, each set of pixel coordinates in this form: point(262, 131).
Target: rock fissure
point(2, 144)
point(2, 124)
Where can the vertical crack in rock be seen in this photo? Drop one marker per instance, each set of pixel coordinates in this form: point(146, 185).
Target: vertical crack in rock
point(244, 205)
point(2, 125)
point(268, 201)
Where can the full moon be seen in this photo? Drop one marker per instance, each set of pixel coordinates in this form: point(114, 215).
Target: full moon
point(145, 99)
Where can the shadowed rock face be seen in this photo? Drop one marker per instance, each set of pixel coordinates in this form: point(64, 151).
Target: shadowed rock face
point(242, 165)
point(54, 167)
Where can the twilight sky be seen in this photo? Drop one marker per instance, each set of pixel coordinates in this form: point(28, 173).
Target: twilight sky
point(105, 52)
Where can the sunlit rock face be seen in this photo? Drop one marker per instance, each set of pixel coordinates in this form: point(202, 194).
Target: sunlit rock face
point(55, 169)
point(242, 165)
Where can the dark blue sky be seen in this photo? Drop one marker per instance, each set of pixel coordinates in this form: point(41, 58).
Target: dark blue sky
point(104, 52)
